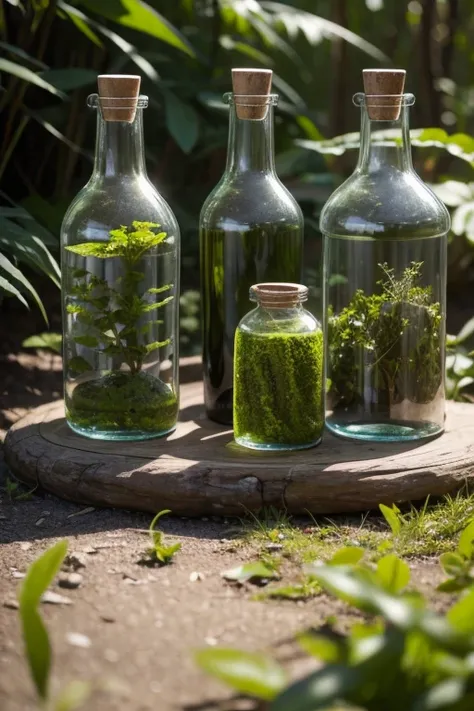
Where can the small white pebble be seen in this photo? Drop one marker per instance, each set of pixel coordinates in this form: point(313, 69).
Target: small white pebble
point(195, 576)
point(211, 641)
point(111, 655)
point(78, 640)
point(16, 574)
point(25, 546)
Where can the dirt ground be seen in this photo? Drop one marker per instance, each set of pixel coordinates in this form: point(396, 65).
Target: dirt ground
point(130, 627)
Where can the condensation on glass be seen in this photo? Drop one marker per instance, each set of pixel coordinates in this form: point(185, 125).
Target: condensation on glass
point(385, 240)
point(120, 284)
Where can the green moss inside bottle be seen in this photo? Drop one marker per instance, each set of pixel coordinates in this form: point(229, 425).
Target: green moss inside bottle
point(278, 373)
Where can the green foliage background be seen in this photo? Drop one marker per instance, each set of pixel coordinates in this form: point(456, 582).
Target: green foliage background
point(52, 50)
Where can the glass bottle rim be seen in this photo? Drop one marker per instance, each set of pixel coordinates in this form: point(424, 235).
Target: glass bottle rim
point(250, 99)
point(93, 101)
point(383, 100)
point(278, 294)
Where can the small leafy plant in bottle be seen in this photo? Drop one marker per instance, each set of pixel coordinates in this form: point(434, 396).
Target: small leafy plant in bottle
point(115, 320)
point(391, 340)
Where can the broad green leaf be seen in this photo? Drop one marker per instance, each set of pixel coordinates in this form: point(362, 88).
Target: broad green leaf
point(391, 517)
point(12, 271)
point(250, 571)
point(393, 573)
point(49, 340)
point(74, 696)
point(182, 121)
point(138, 15)
point(461, 614)
point(251, 674)
point(347, 556)
point(452, 564)
point(466, 541)
point(69, 79)
point(454, 585)
point(38, 578)
point(446, 695)
point(27, 75)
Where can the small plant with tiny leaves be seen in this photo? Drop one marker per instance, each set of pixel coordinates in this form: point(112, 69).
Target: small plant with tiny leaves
point(391, 339)
point(114, 322)
point(158, 553)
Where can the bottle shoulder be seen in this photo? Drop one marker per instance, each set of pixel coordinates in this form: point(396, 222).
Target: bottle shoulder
point(104, 205)
point(389, 202)
point(250, 199)
point(261, 321)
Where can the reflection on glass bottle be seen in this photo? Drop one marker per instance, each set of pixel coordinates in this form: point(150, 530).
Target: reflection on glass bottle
point(385, 239)
point(120, 252)
point(251, 230)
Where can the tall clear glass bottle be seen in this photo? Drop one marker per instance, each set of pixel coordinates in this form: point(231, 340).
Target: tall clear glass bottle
point(251, 230)
point(120, 284)
point(385, 240)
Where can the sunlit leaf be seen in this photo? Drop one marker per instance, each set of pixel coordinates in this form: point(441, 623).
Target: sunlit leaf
point(12, 271)
point(10, 289)
point(347, 556)
point(390, 514)
point(466, 541)
point(138, 15)
point(249, 572)
point(392, 573)
point(253, 674)
point(74, 696)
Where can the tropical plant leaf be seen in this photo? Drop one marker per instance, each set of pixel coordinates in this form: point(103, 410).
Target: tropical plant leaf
point(10, 289)
point(253, 674)
point(38, 578)
point(12, 271)
point(69, 79)
point(316, 28)
point(127, 48)
point(138, 15)
point(29, 76)
point(182, 121)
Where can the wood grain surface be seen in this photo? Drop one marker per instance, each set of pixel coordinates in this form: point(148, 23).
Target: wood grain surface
point(199, 470)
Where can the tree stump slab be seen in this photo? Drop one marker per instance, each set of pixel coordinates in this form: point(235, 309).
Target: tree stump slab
point(199, 470)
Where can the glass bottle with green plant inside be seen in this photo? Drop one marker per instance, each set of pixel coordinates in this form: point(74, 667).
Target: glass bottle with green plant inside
point(120, 255)
point(385, 239)
point(251, 230)
point(278, 371)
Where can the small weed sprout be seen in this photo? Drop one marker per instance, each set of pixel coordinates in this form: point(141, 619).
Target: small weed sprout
point(159, 553)
point(14, 493)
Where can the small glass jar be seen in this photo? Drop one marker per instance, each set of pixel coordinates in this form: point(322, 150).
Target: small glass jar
point(120, 284)
point(278, 371)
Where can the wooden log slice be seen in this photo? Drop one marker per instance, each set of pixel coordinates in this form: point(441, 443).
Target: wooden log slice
point(199, 470)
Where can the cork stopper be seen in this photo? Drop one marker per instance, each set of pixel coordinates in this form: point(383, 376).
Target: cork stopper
point(118, 96)
point(251, 89)
point(279, 295)
point(384, 92)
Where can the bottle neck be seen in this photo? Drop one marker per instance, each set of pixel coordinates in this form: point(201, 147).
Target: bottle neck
point(378, 153)
point(250, 148)
point(119, 148)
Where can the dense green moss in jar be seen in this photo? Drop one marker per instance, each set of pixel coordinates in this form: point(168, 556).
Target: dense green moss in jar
point(278, 372)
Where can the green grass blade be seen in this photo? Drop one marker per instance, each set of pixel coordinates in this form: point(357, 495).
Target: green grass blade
point(7, 266)
point(31, 77)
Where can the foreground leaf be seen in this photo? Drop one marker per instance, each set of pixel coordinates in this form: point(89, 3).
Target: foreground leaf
point(53, 341)
point(38, 578)
point(250, 572)
point(27, 75)
point(253, 674)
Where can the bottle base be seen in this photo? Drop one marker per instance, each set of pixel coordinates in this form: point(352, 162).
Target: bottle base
point(117, 435)
point(273, 447)
point(391, 431)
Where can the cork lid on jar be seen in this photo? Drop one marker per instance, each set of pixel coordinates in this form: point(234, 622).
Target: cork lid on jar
point(118, 96)
point(384, 93)
point(279, 295)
